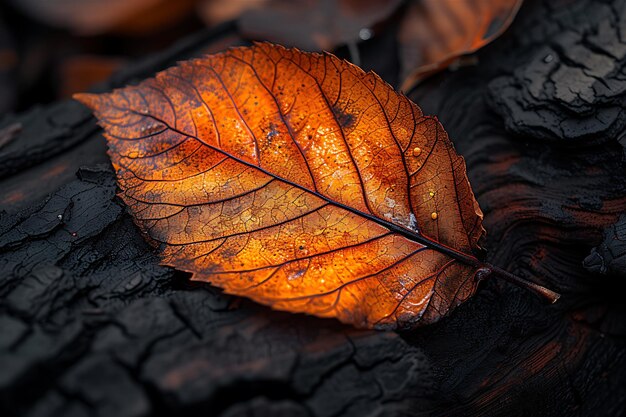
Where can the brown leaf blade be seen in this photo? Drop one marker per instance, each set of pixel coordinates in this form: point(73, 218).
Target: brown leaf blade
point(434, 33)
point(299, 181)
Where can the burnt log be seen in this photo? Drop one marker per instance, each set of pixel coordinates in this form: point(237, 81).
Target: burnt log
point(91, 324)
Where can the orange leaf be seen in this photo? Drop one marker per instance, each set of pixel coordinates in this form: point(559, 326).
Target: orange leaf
point(434, 33)
point(299, 181)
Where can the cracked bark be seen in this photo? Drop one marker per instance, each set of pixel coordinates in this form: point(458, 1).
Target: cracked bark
point(92, 325)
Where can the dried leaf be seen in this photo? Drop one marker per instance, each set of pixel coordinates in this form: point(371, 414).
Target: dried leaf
point(299, 181)
point(433, 33)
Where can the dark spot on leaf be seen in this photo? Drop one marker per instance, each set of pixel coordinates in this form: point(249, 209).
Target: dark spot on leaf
point(346, 120)
point(271, 133)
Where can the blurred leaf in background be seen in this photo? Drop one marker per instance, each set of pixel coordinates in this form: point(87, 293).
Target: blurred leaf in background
point(50, 49)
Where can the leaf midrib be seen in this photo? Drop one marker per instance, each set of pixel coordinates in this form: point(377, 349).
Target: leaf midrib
point(401, 230)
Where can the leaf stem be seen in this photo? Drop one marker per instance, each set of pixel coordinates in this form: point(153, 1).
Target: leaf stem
point(537, 289)
point(402, 230)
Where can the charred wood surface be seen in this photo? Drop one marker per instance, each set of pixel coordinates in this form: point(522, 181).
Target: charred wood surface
point(92, 325)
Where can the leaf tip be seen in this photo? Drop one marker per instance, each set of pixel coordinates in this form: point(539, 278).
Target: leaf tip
point(87, 99)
